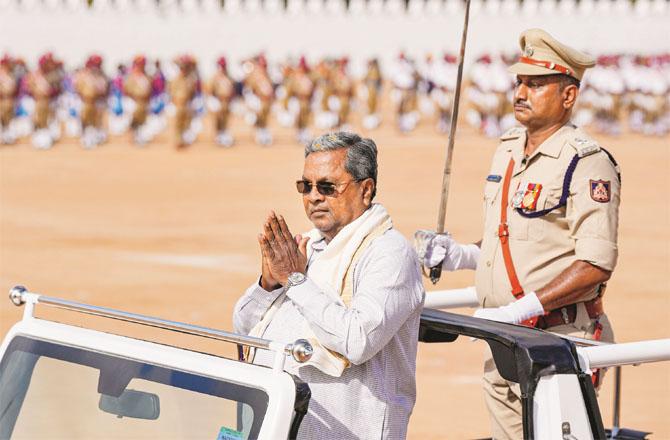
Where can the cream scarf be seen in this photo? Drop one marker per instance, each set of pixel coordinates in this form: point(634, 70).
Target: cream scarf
point(333, 272)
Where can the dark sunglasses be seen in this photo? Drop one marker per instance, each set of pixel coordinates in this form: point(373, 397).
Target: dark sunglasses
point(323, 188)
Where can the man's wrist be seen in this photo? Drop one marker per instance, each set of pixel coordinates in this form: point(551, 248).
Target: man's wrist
point(268, 286)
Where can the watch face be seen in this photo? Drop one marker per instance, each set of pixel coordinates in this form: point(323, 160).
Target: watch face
point(296, 278)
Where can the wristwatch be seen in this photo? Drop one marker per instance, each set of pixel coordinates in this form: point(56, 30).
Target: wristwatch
point(294, 279)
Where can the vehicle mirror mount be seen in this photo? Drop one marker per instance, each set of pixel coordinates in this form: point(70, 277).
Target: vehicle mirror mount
point(131, 403)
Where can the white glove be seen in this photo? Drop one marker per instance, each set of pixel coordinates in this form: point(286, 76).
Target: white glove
point(515, 312)
point(434, 249)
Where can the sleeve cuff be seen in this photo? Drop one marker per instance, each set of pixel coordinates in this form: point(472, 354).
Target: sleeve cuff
point(598, 252)
point(263, 297)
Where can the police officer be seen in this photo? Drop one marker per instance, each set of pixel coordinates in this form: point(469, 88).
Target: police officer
point(551, 205)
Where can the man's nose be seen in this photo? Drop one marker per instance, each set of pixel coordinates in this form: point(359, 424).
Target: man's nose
point(521, 92)
point(314, 195)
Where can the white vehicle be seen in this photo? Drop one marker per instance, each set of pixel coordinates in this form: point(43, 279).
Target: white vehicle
point(64, 381)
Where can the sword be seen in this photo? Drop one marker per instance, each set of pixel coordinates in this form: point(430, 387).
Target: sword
point(436, 272)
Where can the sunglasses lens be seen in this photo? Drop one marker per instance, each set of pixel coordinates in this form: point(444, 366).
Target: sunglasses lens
point(303, 187)
point(325, 188)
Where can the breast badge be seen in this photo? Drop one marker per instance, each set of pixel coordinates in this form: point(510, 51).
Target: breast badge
point(601, 190)
point(526, 197)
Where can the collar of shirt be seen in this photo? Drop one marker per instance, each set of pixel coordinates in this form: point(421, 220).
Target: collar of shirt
point(551, 147)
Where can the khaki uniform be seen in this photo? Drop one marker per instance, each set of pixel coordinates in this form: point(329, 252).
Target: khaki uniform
point(373, 83)
point(138, 87)
point(343, 88)
point(92, 87)
point(585, 229)
point(182, 91)
point(8, 91)
point(223, 89)
point(301, 86)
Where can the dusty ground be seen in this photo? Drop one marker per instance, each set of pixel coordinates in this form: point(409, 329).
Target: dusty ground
point(172, 234)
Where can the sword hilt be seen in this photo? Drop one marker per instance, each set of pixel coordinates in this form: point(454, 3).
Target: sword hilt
point(435, 273)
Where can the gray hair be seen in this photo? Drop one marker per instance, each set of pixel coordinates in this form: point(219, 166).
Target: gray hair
point(361, 160)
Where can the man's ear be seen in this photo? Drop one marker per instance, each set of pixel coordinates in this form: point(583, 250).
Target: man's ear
point(570, 94)
point(368, 189)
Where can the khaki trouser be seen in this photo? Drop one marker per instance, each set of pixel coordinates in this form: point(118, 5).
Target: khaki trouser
point(503, 398)
point(221, 117)
point(140, 114)
point(41, 115)
point(263, 113)
point(6, 111)
point(303, 114)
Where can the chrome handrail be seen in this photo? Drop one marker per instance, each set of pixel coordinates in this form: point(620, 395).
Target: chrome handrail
point(301, 350)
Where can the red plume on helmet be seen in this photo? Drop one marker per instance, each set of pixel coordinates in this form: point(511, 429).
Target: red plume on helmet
point(6, 60)
point(302, 64)
point(94, 61)
point(221, 62)
point(140, 61)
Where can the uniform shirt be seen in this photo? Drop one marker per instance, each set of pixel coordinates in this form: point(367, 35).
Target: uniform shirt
point(378, 333)
point(585, 229)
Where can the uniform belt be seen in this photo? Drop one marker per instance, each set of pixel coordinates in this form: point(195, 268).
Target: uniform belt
point(568, 314)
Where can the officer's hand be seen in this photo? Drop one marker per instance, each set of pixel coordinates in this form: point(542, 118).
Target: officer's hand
point(431, 247)
point(435, 249)
point(529, 306)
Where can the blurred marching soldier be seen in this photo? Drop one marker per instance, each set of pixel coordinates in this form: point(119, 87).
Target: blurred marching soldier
point(9, 88)
point(183, 89)
point(323, 76)
point(287, 104)
point(372, 85)
point(222, 90)
point(343, 89)
point(489, 96)
point(300, 87)
point(648, 97)
point(22, 125)
point(603, 95)
point(138, 87)
point(405, 80)
point(443, 76)
point(43, 85)
point(260, 86)
point(93, 87)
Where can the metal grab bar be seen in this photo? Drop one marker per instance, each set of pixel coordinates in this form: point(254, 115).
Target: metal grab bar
point(301, 350)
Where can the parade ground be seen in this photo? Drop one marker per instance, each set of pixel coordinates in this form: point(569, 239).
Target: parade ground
point(173, 234)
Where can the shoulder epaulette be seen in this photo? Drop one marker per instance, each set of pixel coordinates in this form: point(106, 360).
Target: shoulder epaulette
point(512, 133)
point(584, 146)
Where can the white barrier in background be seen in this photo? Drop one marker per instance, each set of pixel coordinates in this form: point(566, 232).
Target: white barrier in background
point(120, 29)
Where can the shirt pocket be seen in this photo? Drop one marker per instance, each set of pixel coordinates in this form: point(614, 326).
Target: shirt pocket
point(535, 229)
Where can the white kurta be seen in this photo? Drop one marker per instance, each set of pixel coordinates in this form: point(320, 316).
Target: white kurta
point(378, 333)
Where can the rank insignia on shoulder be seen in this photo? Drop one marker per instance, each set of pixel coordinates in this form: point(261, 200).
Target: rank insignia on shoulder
point(493, 178)
point(601, 190)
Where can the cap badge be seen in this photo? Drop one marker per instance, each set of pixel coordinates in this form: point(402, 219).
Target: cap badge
point(528, 51)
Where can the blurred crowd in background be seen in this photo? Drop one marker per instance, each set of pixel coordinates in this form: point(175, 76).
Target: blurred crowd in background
point(46, 101)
